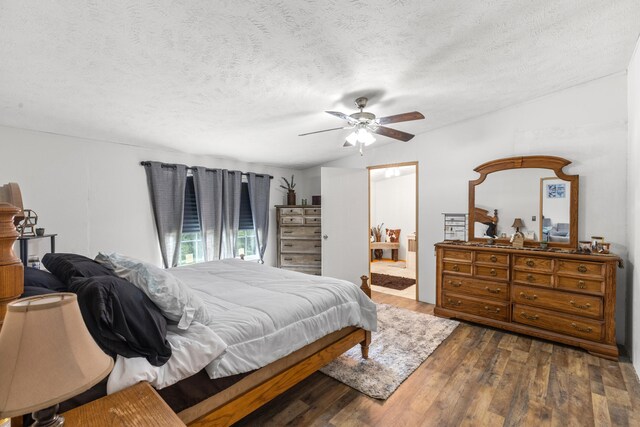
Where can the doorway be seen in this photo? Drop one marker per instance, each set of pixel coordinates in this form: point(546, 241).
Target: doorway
point(393, 225)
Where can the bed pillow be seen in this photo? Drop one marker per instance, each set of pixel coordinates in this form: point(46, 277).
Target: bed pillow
point(122, 319)
point(34, 277)
point(32, 291)
point(67, 266)
point(175, 299)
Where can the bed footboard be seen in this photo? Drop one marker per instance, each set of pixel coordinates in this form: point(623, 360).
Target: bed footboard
point(364, 345)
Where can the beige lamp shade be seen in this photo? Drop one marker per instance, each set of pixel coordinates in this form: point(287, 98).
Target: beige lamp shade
point(46, 354)
point(517, 223)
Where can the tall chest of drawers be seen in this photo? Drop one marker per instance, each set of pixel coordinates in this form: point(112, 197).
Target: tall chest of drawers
point(559, 296)
point(299, 238)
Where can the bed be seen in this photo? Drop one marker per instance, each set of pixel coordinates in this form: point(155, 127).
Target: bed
point(241, 386)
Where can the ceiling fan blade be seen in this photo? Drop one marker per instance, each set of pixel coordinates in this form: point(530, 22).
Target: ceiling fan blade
point(405, 117)
point(320, 131)
point(392, 133)
point(342, 116)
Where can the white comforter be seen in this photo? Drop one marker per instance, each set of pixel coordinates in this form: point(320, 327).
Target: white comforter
point(261, 313)
point(264, 313)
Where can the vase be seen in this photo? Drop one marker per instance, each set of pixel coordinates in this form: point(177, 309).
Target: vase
point(291, 198)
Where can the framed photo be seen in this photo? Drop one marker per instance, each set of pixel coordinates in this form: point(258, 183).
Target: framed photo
point(556, 191)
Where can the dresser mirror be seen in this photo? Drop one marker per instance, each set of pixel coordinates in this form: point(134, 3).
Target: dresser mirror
point(533, 189)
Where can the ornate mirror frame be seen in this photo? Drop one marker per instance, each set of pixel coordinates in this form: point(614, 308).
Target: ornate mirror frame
point(540, 162)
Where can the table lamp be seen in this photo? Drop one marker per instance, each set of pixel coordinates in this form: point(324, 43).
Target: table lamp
point(46, 356)
point(517, 224)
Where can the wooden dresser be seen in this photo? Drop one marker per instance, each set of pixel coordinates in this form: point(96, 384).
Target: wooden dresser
point(555, 295)
point(300, 238)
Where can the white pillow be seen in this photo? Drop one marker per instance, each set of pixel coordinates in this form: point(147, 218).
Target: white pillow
point(191, 351)
point(174, 299)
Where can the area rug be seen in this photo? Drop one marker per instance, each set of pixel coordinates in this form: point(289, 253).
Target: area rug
point(393, 282)
point(404, 340)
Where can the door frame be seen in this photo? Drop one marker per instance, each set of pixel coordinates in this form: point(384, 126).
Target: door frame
point(395, 165)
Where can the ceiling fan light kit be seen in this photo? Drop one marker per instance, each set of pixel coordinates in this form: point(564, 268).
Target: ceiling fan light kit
point(364, 124)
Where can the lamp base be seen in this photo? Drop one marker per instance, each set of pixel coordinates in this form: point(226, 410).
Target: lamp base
point(47, 417)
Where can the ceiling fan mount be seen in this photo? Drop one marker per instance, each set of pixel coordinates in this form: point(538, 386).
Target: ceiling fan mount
point(364, 124)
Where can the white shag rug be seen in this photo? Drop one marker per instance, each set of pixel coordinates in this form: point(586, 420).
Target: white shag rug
point(404, 340)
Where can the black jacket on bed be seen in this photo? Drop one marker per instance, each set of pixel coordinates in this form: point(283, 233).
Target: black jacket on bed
point(122, 319)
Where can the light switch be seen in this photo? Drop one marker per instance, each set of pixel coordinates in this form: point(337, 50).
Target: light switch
point(533, 218)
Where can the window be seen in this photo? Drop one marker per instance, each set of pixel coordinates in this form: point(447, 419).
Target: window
point(246, 243)
point(191, 244)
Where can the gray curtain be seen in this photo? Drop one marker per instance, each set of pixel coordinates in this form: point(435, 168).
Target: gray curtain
point(259, 189)
point(166, 188)
point(231, 188)
point(208, 186)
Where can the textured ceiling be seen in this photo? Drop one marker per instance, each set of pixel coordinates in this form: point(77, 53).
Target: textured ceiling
point(241, 79)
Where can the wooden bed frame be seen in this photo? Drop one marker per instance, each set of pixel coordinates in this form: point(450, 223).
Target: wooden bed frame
point(242, 398)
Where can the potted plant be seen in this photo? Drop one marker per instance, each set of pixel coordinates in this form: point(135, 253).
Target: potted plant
point(291, 193)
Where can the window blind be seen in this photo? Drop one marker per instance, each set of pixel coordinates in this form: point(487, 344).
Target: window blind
point(246, 218)
point(191, 220)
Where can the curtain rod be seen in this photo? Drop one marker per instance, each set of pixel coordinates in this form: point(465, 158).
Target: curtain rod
point(169, 165)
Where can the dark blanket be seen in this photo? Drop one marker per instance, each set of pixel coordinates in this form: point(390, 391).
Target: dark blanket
point(122, 319)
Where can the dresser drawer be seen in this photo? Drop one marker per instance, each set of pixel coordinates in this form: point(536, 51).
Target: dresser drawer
point(579, 284)
point(490, 309)
point(300, 232)
point(291, 211)
point(534, 263)
point(451, 254)
point(288, 220)
point(582, 305)
point(312, 211)
point(532, 278)
point(316, 271)
point(490, 272)
point(298, 259)
point(312, 220)
point(493, 290)
point(489, 258)
point(578, 327)
point(581, 268)
point(304, 246)
point(456, 267)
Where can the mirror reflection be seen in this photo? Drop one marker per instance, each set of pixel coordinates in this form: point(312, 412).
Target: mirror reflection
point(535, 197)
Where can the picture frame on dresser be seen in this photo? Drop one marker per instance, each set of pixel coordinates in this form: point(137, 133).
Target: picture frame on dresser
point(554, 293)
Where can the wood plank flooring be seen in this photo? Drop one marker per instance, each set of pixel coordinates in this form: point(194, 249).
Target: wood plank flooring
point(477, 377)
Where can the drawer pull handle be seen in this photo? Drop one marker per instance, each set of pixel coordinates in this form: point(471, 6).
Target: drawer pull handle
point(587, 330)
point(493, 272)
point(530, 278)
point(317, 260)
point(529, 297)
point(530, 262)
point(528, 316)
point(496, 310)
point(586, 306)
point(493, 291)
point(582, 268)
point(455, 267)
point(288, 259)
point(452, 302)
point(288, 245)
point(455, 284)
point(493, 258)
point(581, 284)
point(317, 246)
point(287, 232)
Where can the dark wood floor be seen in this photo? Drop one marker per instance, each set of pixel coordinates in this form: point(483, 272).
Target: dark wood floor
point(477, 377)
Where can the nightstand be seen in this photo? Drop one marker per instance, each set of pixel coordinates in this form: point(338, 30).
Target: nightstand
point(137, 406)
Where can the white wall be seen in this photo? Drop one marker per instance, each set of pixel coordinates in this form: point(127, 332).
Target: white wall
point(633, 207)
point(393, 202)
point(586, 124)
point(94, 194)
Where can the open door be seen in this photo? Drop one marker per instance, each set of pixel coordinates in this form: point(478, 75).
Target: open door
point(345, 223)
